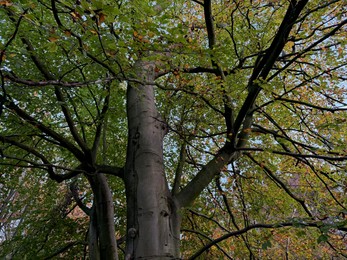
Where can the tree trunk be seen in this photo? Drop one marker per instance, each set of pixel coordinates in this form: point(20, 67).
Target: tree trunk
point(93, 243)
point(104, 219)
point(153, 223)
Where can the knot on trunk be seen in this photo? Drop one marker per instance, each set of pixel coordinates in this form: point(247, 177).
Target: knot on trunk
point(132, 232)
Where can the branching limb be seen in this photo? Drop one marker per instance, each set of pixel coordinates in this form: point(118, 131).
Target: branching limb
point(257, 226)
point(80, 204)
point(209, 219)
point(47, 165)
point(207, 237)
point(228, 110)
point(60, 83)
point(187, 195)
point(47, 130)
point(265, 63)
point(233, 220)
point(59, 95)
point(281, 184)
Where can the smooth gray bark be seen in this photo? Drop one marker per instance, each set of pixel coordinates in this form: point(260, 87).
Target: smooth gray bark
point(153, 222)
point(104, 217)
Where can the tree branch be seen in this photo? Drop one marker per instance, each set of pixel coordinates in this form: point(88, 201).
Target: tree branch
point(281, 184)
point(80, 204)
point(49, 76)
point(207, 237)
point(47, 165)
point(100, 124)
point(187, 195)
point(179, 169)
point(59, 138)
point(256, 226)
point(111, 170)
point(65, 248)
point(265, 63)
point(44, 83)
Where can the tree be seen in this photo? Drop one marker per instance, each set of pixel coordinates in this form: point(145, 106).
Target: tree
point(229, 135)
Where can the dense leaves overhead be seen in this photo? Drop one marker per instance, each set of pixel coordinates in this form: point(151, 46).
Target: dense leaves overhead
point(253, 94)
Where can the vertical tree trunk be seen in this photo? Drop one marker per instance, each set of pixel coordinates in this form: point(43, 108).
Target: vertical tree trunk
point(153, 222)
point(93, 241)
point(104, 218)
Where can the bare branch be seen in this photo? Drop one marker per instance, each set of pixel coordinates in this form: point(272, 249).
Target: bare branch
point(44, 83)
point(207, 237)
point(257, 226)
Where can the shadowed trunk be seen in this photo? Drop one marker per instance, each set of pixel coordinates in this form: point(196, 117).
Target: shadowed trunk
point(102, 219)
point(153, 222)
point(94, 251)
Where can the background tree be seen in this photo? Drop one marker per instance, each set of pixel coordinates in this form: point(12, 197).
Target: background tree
point(160, 129)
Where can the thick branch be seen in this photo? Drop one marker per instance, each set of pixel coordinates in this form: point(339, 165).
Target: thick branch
point(265, 63)
point(309, 48)
point(192, 190)
point(80, 204)
point(111, 170)
point(209, 23)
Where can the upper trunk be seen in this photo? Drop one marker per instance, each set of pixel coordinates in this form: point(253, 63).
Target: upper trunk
point(153, 225)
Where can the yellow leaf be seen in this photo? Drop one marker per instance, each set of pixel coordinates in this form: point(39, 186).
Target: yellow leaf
point(290, 44)
point(75, 15)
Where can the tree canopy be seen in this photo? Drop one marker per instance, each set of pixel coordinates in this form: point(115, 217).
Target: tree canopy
point(246, 98)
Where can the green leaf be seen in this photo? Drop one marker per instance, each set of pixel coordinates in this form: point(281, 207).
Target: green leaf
point(266, 245)
point(52, 47)
point(322, 238)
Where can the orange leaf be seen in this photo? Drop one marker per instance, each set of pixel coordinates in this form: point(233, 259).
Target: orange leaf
point(101, 18)
point(52, 39)
point(5, 3)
